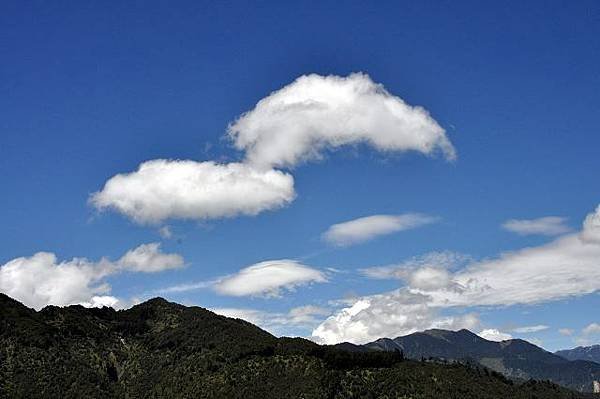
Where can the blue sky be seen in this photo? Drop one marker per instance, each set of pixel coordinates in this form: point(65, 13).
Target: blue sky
point(91, 91)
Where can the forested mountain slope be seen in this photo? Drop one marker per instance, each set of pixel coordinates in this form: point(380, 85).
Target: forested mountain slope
point(160, 349)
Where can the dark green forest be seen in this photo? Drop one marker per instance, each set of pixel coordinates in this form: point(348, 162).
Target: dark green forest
point(160, 349)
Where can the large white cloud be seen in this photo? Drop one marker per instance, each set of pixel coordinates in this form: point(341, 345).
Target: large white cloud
point(548, 226)
point(292, 124)
point(41, 280)
point(269, 278)
point(313, 113)
point(161, 189)
point(369, 227)
point(392, 314)
point(299, 121)
point(568, 266)
point(565, 267)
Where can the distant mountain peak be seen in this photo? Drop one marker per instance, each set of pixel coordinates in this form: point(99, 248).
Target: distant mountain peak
point(589, 353)
point(515, 358)
point(158, 301)
point(436, 332)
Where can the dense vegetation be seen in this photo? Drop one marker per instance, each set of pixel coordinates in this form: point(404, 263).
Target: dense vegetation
point(164, 350)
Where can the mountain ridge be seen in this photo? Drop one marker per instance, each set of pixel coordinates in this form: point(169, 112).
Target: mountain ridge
point(161, 349)
point(590, 353)
point(514, 358)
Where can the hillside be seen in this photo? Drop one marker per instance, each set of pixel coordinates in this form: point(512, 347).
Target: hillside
point(160, 349)
point(590, 353)
point(514, 358)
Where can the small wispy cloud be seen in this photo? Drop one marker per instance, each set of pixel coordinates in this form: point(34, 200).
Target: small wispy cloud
point(593, 328)
point(530, 329)
point(443, 260)
point(302, 317)
point(367, 228)
point(165, 232)
point(186, 287)
point(269, 278)
point(548, 226)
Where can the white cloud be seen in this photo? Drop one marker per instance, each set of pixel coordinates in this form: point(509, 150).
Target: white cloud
point(589, 335)
point(493, 334)
point(101, 301)
point(296, 123)
point(269, 278)
point(548, 226)
point(149, 259)
point(262, 279)
point(41, 280)
point(299, 318)
point(187, 287)
point(366, 228)
point(314, 113)
point(161, 189)
point(593, 328)
point(530, 329)
point(307, 314)
point(165, 232)
point(392, 314)
point(591, 227)
point(442, 261)
point(566, 331)
point(565, 267)
point(430, 278)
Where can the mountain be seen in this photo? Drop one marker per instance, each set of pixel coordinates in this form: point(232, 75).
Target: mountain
point(590, 353)
point(160, 349)
point(514, 358)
